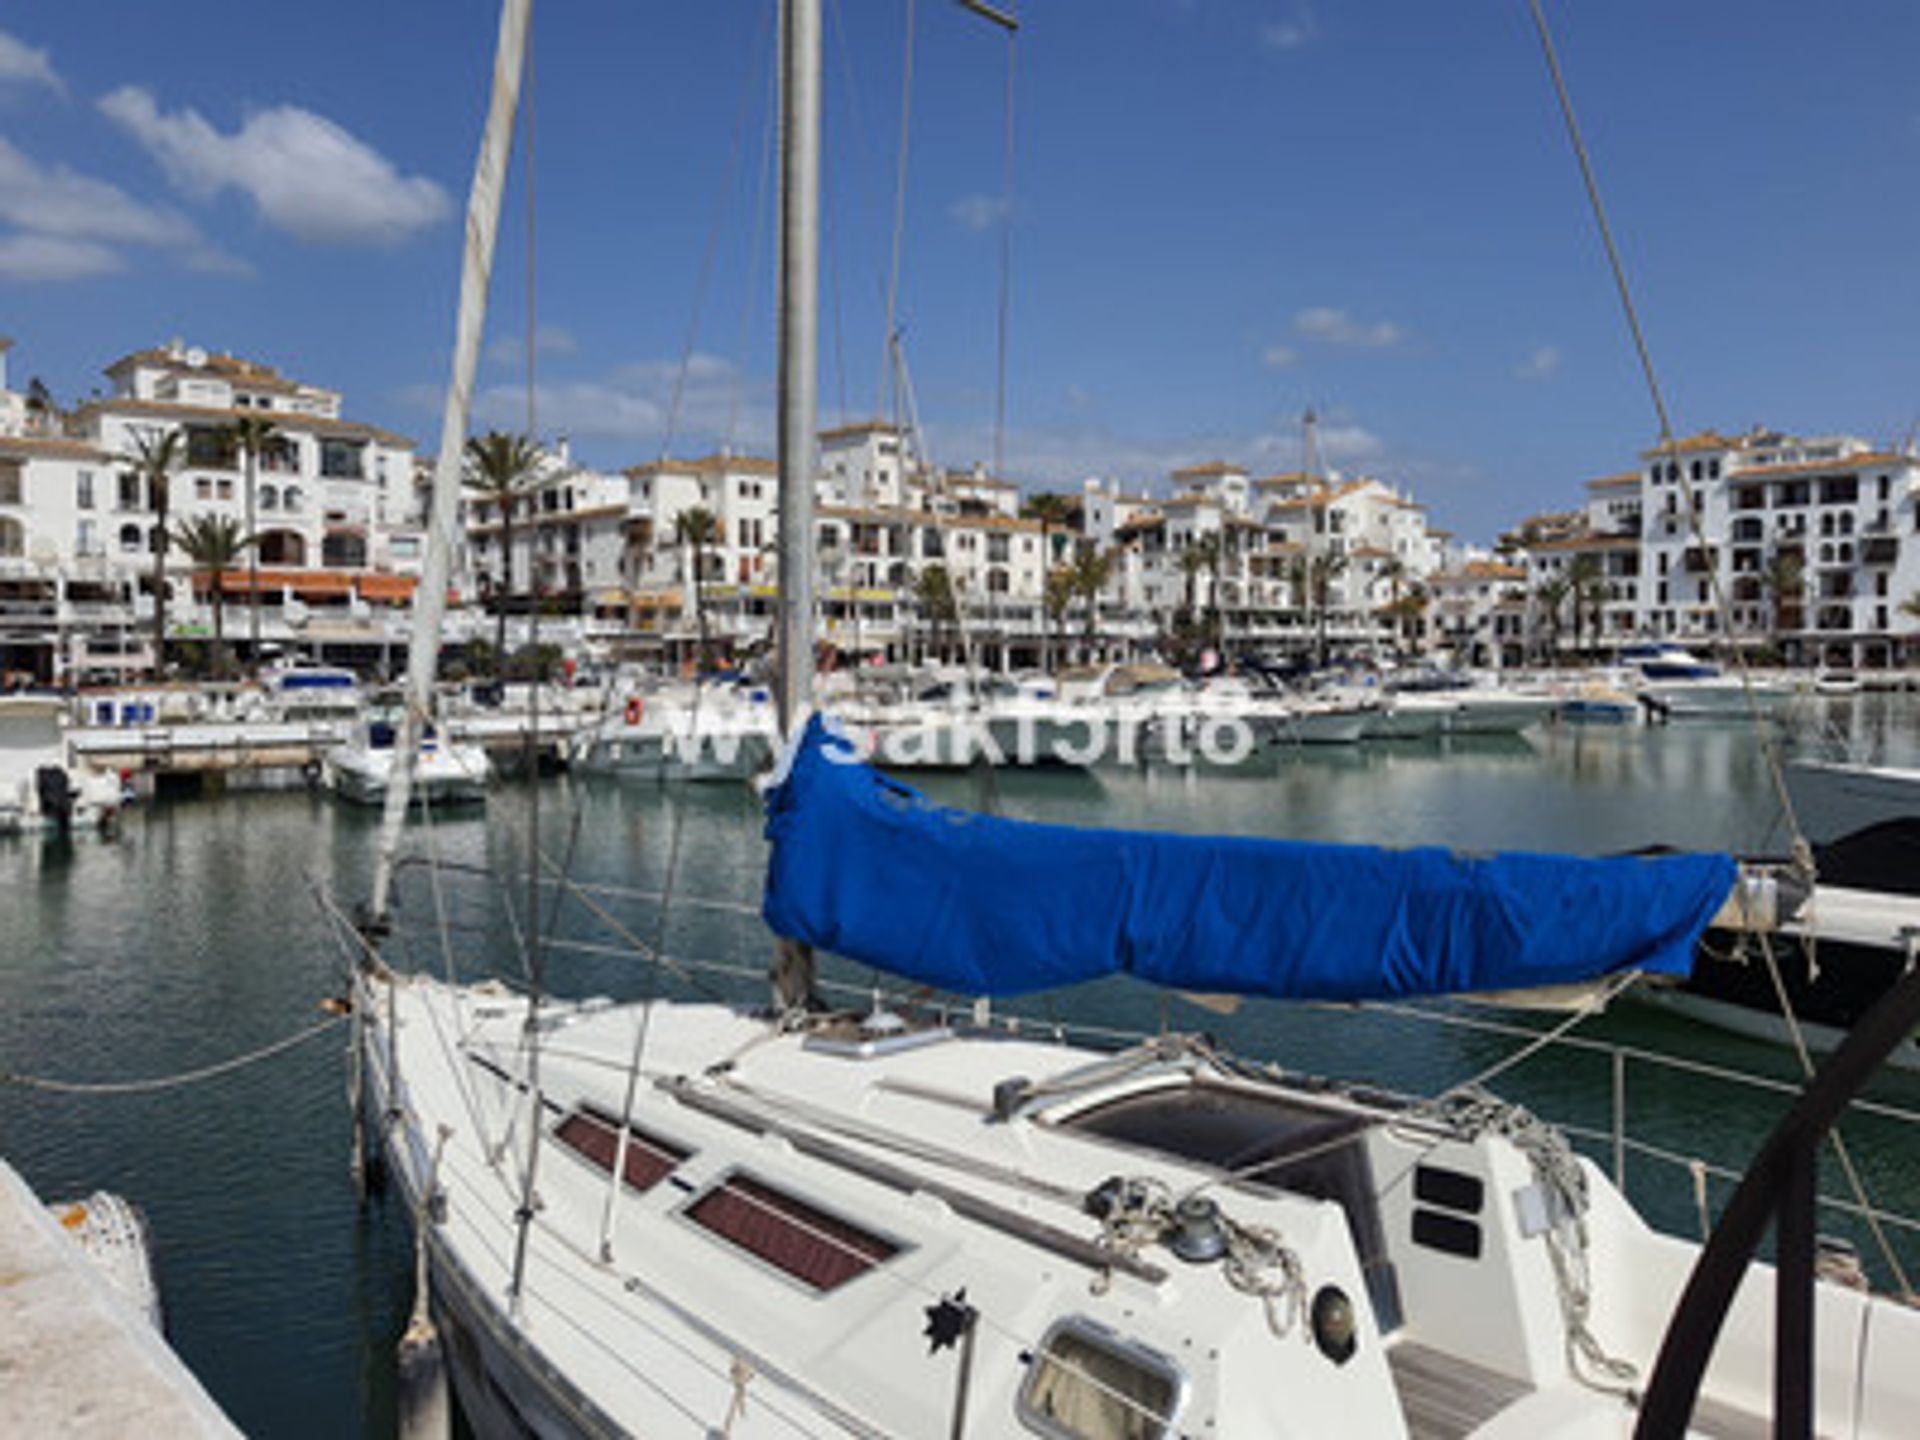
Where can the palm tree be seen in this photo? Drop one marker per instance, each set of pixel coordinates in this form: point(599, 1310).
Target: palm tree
point(250, 435)
point(1322, 571)
point(213, 543)
point(155, 456)
point(1092, 568)
point(1784, 579)
point(1053, 511)
point(1393, 570)
point(1193, 559)
point(697, 527)
point(1058, 599)
point(501, 468)
point(934, 590)
point(1587, 587)
point(1300, 581)
point(1408, 609)
point(1550, 596)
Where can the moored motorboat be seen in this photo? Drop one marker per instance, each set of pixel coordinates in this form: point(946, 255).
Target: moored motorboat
point(712, 732)
point(1834, 798)
point(43, 786)
point(1844, 941)
point(446, 771)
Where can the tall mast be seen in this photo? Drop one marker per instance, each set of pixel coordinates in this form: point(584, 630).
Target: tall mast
point(430, 600)
point(799, 310)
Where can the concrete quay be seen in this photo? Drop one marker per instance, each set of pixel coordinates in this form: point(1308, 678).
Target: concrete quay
point(239, 750)
point(76, 1360)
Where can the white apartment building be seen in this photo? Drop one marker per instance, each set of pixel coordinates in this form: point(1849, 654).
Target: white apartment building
point(881, 522)
point(569, 535)
point(333, 503)
point(1480, 611)
point(1810, 544)
point(1246, 548)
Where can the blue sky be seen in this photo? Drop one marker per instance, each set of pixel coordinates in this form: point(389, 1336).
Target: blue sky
point(1223, 211)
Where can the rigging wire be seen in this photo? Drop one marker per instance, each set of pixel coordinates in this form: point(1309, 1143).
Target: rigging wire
point(1006, 262)
point(1668, 444)
point(887, 401)
point(1803, 857)
point(704, 276)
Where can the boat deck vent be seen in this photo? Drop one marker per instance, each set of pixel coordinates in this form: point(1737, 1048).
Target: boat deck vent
point(820, 1250)
point(596, 1137)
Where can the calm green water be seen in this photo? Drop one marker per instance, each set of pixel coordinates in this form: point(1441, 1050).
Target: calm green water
point(195, 935)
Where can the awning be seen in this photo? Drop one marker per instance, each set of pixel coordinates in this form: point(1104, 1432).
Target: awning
point(397, 588)
point(301, 582)
point(657, 600)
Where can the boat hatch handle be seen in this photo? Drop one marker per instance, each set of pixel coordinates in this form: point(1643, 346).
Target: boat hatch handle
point(1778, 1187)
point(1009, 1222)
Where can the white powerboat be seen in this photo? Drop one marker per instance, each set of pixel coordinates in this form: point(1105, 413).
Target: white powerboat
point(42, 785)
point(446, 772)
point(715, 732)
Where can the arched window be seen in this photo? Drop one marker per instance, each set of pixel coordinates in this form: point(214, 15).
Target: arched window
point(291, 498)
point(131, 539)
point(269, 497)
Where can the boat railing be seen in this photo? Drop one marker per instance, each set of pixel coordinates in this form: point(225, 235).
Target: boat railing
point(1612, 1131)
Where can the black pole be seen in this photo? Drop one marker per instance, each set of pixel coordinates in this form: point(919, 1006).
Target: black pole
point(1773, 1182)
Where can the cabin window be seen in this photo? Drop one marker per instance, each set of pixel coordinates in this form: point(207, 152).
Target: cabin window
point(1088, 1384)
point(819, 1250)
point(596, 1137)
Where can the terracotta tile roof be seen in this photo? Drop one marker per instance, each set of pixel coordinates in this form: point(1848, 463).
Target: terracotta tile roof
point(1616, 482)
point(860, 427)
point(1705, 440)
point(1841, 465)
point(216, 415)
point(926, 519)
point(52, 446)
point(707, 465)
point(1210, 467)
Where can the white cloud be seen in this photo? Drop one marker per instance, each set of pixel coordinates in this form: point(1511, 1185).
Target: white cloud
point(1062, 457)
point(631, 405)
point(304, 173)
point(22, 65)
point(1279, 357)
point(54, 257)
point(979, 212)
point(68, 225)
point(1336, 327)
point(1540, 364)
point(1293, 32)
point(58, 201)
point(547, 340)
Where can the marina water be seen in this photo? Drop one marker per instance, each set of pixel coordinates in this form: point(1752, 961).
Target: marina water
point(198, 935)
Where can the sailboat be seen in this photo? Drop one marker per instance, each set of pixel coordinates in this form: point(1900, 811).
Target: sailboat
point(694, 1219)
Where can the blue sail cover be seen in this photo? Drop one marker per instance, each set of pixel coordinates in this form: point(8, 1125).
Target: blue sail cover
point(871, 870)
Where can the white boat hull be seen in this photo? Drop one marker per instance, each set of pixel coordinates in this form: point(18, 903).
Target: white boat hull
point(1834, 798)
point(455, 775)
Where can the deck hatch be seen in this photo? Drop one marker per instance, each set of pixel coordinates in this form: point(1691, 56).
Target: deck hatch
point(820, 1250)
point(1088, 1383)
point(595, 1137)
